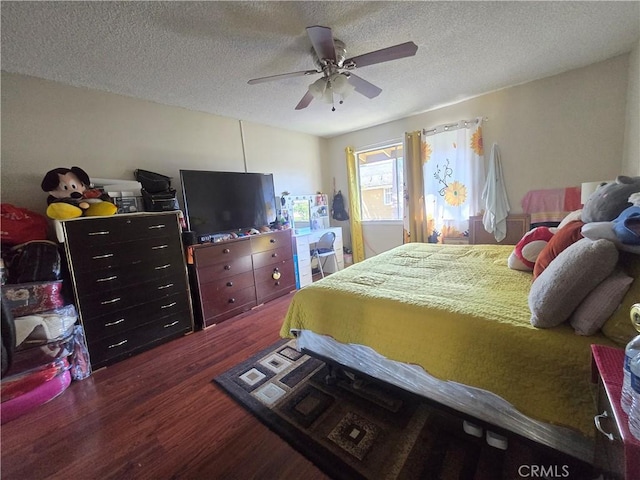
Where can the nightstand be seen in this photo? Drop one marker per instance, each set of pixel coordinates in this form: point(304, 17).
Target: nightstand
point(617, 452)
point(517, 226)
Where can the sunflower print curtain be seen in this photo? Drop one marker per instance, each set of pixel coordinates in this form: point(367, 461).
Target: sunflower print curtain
point(454, 175)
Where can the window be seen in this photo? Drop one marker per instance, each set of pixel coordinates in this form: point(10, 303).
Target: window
point(381, 177)
point(388, 196)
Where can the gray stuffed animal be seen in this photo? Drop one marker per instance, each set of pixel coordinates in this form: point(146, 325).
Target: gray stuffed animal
point(609, 200)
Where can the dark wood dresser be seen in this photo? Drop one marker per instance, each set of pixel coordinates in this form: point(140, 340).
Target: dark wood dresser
point(130, 282)
point(234, 276)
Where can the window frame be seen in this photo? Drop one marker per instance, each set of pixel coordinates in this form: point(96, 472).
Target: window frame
point(397, 183)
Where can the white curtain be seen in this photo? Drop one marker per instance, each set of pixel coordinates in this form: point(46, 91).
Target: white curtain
point(454, 175)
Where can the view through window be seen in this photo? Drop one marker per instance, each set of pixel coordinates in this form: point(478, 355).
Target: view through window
point(381, 177)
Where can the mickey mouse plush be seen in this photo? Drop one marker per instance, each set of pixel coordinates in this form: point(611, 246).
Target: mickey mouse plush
point(70, 195)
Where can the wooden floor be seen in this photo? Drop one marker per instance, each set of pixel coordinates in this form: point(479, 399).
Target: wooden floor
point(158, 415)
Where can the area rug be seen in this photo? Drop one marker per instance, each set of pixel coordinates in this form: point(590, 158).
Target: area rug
point(352, 428)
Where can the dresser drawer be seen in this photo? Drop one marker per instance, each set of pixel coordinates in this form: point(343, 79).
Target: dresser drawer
point(268, 287)
point(110, 279)
point(215, 254)
point(226, 286)
point(271, 257)
point(97, 328)
point(126, 343)
point(229, 268)
point(96, 231)
point(270, 241)
point(214, 306)
point(131, 253)
point(150, 302)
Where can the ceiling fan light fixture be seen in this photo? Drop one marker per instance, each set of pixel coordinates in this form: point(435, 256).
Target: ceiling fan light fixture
point(318, 88)
point(327, 97)
point(340, 84)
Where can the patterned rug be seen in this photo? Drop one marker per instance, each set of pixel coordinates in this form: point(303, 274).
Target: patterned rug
point(352, 428)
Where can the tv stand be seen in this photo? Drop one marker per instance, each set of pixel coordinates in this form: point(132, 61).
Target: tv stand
point(233, 276)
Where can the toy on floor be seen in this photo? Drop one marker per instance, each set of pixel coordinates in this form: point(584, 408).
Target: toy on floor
point(71, 195)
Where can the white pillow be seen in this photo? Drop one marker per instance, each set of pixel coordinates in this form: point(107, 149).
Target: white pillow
point(575, 215)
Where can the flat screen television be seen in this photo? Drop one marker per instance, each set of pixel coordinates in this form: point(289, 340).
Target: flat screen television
point(221, 202)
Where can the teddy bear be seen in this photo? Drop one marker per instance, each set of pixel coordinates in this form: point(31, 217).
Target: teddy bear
point(71, 195)
point(610, 199)
point(613, 216)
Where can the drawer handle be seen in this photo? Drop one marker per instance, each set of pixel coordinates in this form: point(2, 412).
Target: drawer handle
point(154, 227)
point(106, 255)
point(162, 267)
point(159, 247)
point(107, 279)
point(226, 250)
point(113, 300)
point(171, 324)
point(229, 284)
point(232, 300)
point(272, 240)
point(596, 420)
point(169, 305)
point(111, 324)
point(227, 267)
point(105, 232)
point(119, 344)
point(168, 285)
point(274, 255)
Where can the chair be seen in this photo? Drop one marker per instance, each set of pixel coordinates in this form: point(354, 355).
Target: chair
point(323, 250)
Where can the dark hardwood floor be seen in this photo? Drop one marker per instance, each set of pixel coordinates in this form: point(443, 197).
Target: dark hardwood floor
point(158, 415)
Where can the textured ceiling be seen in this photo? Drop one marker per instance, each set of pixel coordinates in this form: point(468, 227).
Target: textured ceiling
point(199, 55)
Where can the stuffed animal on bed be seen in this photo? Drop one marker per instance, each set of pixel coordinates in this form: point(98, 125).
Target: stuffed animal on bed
point(71, 195)
point(609, 200)
point(623, 231)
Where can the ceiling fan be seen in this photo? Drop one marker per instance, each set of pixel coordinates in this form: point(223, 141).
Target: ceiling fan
point(337, 77)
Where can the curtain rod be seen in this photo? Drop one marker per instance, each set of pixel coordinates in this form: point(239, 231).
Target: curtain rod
point(446, 127)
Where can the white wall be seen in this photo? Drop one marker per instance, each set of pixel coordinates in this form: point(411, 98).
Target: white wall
point(632, 132)
point(554, 132)
point(47, 125)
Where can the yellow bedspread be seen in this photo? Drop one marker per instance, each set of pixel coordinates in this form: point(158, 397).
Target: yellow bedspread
point(462, 314)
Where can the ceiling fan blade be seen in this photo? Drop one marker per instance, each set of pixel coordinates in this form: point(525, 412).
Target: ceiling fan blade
point(282, 76)
point(322, 41)
point(367, 89)
point(384, 55)
point(305, 101)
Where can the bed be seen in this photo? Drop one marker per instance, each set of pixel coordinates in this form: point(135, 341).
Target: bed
point(452, 323)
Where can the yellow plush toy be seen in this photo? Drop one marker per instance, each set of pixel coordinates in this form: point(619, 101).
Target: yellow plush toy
point(71, 195)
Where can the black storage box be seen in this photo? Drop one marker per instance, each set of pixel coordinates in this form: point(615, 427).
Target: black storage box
point(153, 182)
point(160, 202)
